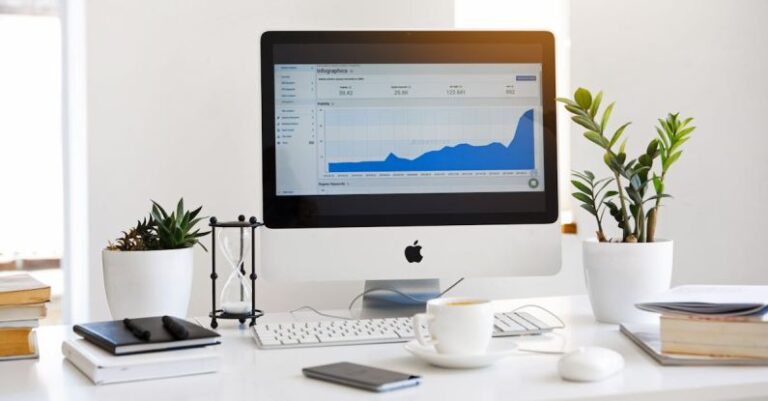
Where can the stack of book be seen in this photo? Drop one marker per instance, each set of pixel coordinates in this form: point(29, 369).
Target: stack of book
point(715, 324)
point(22, 304)
point(141, 349)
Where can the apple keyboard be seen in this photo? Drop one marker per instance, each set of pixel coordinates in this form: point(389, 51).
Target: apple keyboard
point(293, 334)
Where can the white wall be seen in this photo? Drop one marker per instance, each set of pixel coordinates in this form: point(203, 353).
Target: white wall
point(706, 59)
point(173, 109)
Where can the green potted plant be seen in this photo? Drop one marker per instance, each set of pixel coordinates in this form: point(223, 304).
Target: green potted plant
point(148, 270)
point(635, 264)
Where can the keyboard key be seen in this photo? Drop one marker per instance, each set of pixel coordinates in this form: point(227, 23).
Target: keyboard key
point(509, 325)
point(309, 340)
point(269, 341)
point(519, 320)
point(538, 323)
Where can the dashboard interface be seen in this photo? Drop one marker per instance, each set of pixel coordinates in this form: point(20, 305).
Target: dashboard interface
point(407, 128)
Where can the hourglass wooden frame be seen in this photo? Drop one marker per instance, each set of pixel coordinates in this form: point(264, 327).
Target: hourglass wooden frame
point(254, 313)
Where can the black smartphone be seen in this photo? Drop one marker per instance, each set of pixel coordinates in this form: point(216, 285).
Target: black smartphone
point(364, 377)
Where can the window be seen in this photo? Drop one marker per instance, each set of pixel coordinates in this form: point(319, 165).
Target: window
point(31, 202)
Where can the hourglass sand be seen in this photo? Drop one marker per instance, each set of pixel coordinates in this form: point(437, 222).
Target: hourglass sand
point(235, 241)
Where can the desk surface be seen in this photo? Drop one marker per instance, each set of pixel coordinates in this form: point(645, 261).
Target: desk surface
point(252, 374)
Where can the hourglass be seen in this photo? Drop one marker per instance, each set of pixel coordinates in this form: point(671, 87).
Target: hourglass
point(235, 241)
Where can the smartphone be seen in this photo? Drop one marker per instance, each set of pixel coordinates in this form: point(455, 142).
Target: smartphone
point(364, 377)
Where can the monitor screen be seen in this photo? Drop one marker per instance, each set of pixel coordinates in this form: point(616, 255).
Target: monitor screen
point(408, 128)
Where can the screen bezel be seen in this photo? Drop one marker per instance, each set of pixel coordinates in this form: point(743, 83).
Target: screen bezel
point(431, 209)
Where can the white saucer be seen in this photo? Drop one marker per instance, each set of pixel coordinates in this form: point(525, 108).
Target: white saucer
point(430, 355)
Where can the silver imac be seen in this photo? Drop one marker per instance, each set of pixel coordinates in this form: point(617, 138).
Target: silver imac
point(408, 157)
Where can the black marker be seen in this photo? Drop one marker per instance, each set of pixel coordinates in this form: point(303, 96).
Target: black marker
point(137, 331)
point(178, 331)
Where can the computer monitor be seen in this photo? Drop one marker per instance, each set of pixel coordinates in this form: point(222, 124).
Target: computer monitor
point(408, 155)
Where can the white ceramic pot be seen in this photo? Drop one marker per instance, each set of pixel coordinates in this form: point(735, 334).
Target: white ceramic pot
point(148, 283)
point(619, 275)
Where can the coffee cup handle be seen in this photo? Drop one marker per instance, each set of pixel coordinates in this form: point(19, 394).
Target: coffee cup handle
point(420, 319)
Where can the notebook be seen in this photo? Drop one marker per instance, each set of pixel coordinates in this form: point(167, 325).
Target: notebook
point(102, 367)
point(113, 337)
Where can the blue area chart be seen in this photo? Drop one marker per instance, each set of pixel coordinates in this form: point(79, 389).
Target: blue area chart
point(517, 155)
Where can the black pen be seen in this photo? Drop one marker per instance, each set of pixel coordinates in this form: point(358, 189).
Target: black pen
point(137, 331)
point(177, 331)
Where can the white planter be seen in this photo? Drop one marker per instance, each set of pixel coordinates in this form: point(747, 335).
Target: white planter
point(619, 275)
point(148, 283)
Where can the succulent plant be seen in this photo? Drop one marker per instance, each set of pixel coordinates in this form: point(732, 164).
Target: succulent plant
point(138, 238)
point(177, 230)
point(162, 231)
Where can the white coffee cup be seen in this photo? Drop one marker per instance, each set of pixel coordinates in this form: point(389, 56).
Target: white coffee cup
point(457, 326)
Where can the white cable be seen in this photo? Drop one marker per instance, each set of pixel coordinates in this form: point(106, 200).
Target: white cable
point(320, 313)
point(549, 312)
point(404, 295)
point(358, 296)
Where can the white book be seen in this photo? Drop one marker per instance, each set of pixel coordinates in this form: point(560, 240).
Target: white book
point(102, 367)
point(17, 324)
point(22, 312)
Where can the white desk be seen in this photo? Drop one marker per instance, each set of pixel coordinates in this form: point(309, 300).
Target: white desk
point(255, 375)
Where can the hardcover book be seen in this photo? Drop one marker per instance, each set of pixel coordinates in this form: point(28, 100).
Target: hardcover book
point(20, 289)
point(102, 367)
point(115, 338)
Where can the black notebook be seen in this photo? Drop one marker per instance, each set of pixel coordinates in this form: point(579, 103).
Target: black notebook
point(114, 337)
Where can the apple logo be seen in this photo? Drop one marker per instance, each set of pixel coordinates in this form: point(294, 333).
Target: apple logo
point(413, 252)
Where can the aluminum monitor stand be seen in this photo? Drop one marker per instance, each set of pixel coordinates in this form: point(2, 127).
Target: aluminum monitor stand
point(382, 303)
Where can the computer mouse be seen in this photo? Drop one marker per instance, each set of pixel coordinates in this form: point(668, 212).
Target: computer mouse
point(588, 364)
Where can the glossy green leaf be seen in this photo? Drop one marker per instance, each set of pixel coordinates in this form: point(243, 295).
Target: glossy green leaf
point(589, 209)
point(606, 115)
point(581, 187)
point(567, 101)
point(596, 138)
point(672, 159)
point(582, 197)
point(576, 110)
point(583, 98)
point(586, 123)
point(595, 104)
point(617, 134)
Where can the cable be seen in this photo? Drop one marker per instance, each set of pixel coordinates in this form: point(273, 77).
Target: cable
point(320, 313)
point(358, 296)
point(550, 313)
point(404, 295)
point(450, 287)
point(539, 307)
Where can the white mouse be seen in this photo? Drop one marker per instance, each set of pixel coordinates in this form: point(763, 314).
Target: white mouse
point(588, 364)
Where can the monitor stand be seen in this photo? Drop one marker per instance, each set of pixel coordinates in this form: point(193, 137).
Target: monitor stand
point(381, 304)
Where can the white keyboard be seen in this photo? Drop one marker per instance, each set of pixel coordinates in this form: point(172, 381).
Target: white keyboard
point(277, 335)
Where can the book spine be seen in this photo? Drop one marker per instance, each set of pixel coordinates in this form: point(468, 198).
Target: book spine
point(743, 334)
point(73, 355)
point(711, 350)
